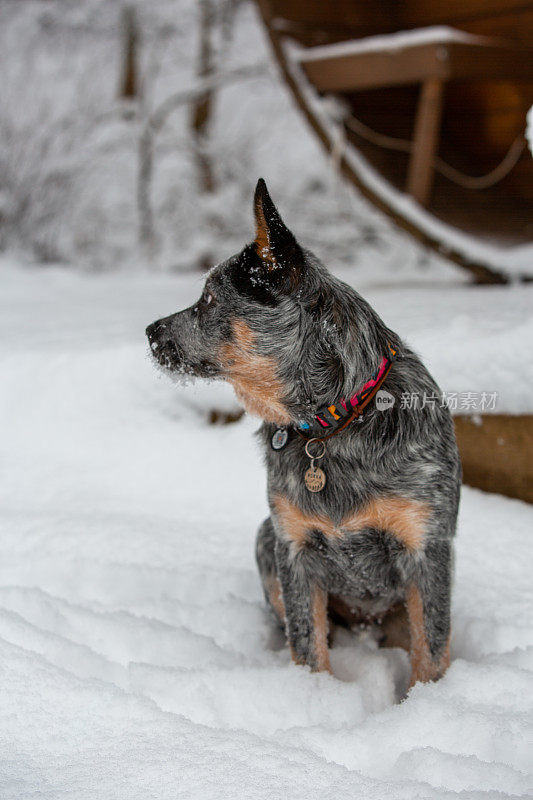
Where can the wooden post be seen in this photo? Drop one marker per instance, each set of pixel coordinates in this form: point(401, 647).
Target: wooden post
point(201, 111)
point(129, 82)
point(425, 140)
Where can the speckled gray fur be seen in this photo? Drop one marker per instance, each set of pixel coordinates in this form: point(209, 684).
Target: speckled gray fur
point(326, 342)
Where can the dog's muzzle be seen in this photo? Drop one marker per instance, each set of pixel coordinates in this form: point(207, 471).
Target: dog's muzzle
point(163, 347)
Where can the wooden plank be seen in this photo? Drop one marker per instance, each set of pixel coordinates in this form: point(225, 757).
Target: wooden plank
point(348, 71)
point(496, 453)
point(351, 71)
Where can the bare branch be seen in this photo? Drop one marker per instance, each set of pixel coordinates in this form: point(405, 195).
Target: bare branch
point(154, 124)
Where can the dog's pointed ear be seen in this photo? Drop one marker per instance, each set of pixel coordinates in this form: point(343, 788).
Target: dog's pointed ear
point(274, 243)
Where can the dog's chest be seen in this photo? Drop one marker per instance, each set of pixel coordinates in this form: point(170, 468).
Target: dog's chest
point(357, 524)
point(352, 558)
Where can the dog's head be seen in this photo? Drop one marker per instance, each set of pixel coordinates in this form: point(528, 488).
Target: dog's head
point(275, 324)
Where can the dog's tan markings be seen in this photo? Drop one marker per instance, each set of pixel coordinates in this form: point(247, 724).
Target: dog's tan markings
point(273, 588)
point(296, 524)
point(320, 630)
point(262, 239)
point(405, 519)
point(423, 666)
point(253, 376)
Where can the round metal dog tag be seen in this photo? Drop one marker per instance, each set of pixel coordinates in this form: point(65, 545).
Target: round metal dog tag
point(279, 439)
point(315, 479)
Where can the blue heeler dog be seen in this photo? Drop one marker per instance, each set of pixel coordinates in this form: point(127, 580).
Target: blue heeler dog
point(363, 506)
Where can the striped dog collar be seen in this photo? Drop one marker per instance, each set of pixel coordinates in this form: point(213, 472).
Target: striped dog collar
point(330, 420)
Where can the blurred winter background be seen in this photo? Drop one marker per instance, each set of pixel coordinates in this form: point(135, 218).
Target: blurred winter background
point(137, 659)
point(112, 156)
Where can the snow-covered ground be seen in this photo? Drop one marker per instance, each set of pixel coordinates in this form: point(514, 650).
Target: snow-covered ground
point(137, 659)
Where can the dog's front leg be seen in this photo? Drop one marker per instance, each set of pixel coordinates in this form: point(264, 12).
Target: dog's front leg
point(305, 603)
point(428, 609)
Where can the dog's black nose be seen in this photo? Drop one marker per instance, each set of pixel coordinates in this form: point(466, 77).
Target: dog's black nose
point(156, 330)
point(162, 344)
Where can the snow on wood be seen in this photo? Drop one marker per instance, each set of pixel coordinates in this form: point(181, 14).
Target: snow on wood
point(392, 41)
point(515, 261)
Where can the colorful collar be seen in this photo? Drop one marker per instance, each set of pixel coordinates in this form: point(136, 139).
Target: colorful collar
point(332, 419)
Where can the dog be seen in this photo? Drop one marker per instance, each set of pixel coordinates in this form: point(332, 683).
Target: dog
point(363, 495)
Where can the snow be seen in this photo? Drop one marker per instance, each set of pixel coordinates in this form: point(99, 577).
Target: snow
point(137, 659)
point(434, 34)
